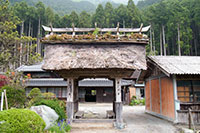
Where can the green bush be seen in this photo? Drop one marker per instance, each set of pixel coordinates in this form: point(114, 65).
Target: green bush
point(49, 96)
point(143, 101)
point(34, 96)
point(16, 97)
point(20, 121)
point(135, 101)
point(54, 104)
point(35, 92)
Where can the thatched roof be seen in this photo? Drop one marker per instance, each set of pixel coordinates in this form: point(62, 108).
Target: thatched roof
point(101, 56)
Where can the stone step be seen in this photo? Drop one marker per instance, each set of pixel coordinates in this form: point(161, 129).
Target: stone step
point(94, 121)
point(95, 131)
point(91, 126)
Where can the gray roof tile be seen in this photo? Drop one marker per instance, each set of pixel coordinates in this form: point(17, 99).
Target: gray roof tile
point(178, 64)
point(83, 83)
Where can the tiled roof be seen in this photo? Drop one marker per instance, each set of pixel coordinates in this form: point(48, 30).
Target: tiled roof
point(31, 68)
point(83, 83)
point(46, 82)
point(177, 64)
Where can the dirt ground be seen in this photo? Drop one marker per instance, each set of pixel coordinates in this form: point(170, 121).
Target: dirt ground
point(134, 116)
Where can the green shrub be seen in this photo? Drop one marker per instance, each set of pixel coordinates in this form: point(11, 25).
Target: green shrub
point(35, 92)
point(143, 101)
point(20, 121)
point(54, 104)
point(16, 97)
point(135, 101)
point(49, 96)
point(34, 96)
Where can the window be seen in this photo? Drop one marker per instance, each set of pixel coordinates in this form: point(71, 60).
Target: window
point(64, 92)
point(56, 91)
point(51, 90)
point(188, 91)
point(93, 92)
point(43, 90)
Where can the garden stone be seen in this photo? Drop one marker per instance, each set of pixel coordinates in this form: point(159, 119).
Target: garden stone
point(48, 114)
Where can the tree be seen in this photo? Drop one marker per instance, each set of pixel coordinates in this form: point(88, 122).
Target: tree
point(65, 21)
point(134, 17)
point(158, 15)
point(99, 16)
point(85, 20)
point(10, 39)
point(109, 15)
point(8, 36)
point(178, 20)
point(40, 14)
point(74, 18)
point(49, 15)
point(57, 21)
point(21, 10)
point(121, 15)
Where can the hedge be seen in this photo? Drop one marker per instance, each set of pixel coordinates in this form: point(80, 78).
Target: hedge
point(21, 121)
point(16, 97)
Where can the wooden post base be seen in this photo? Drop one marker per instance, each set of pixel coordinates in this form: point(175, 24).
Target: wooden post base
point(70, 111)
point(118, 112)
point(119, 124)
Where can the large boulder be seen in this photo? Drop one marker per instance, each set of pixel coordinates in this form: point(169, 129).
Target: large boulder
point(48, 114)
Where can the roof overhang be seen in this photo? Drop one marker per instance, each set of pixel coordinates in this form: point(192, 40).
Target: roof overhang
point(97, 73)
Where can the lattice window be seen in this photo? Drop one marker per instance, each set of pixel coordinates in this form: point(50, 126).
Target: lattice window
point(64, 92)
point(188, 91)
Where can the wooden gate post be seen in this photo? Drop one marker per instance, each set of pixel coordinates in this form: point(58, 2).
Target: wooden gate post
point(70, 99)
point(118, 104)
point(76, 98)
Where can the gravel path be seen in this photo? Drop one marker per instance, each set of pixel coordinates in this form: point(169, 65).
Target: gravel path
point(135, 117)
point(140, 122)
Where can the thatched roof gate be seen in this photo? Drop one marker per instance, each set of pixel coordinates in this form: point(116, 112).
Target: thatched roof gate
point(104, 55)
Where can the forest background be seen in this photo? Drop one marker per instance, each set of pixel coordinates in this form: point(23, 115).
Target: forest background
point(175, 24)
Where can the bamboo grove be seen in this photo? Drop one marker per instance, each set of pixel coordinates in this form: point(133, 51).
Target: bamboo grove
point(175, 27)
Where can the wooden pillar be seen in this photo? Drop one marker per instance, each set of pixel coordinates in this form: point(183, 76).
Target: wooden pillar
point(76, 100)
point(70, 98)
point(118, 101)
point(114, 96)
point(176, 101)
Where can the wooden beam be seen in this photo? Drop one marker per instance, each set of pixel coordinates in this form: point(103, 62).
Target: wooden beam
point(95, 42)
point(51, 29)
point(73, 29)
point(95, 73)
point(141, 28)
point(118, 31)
